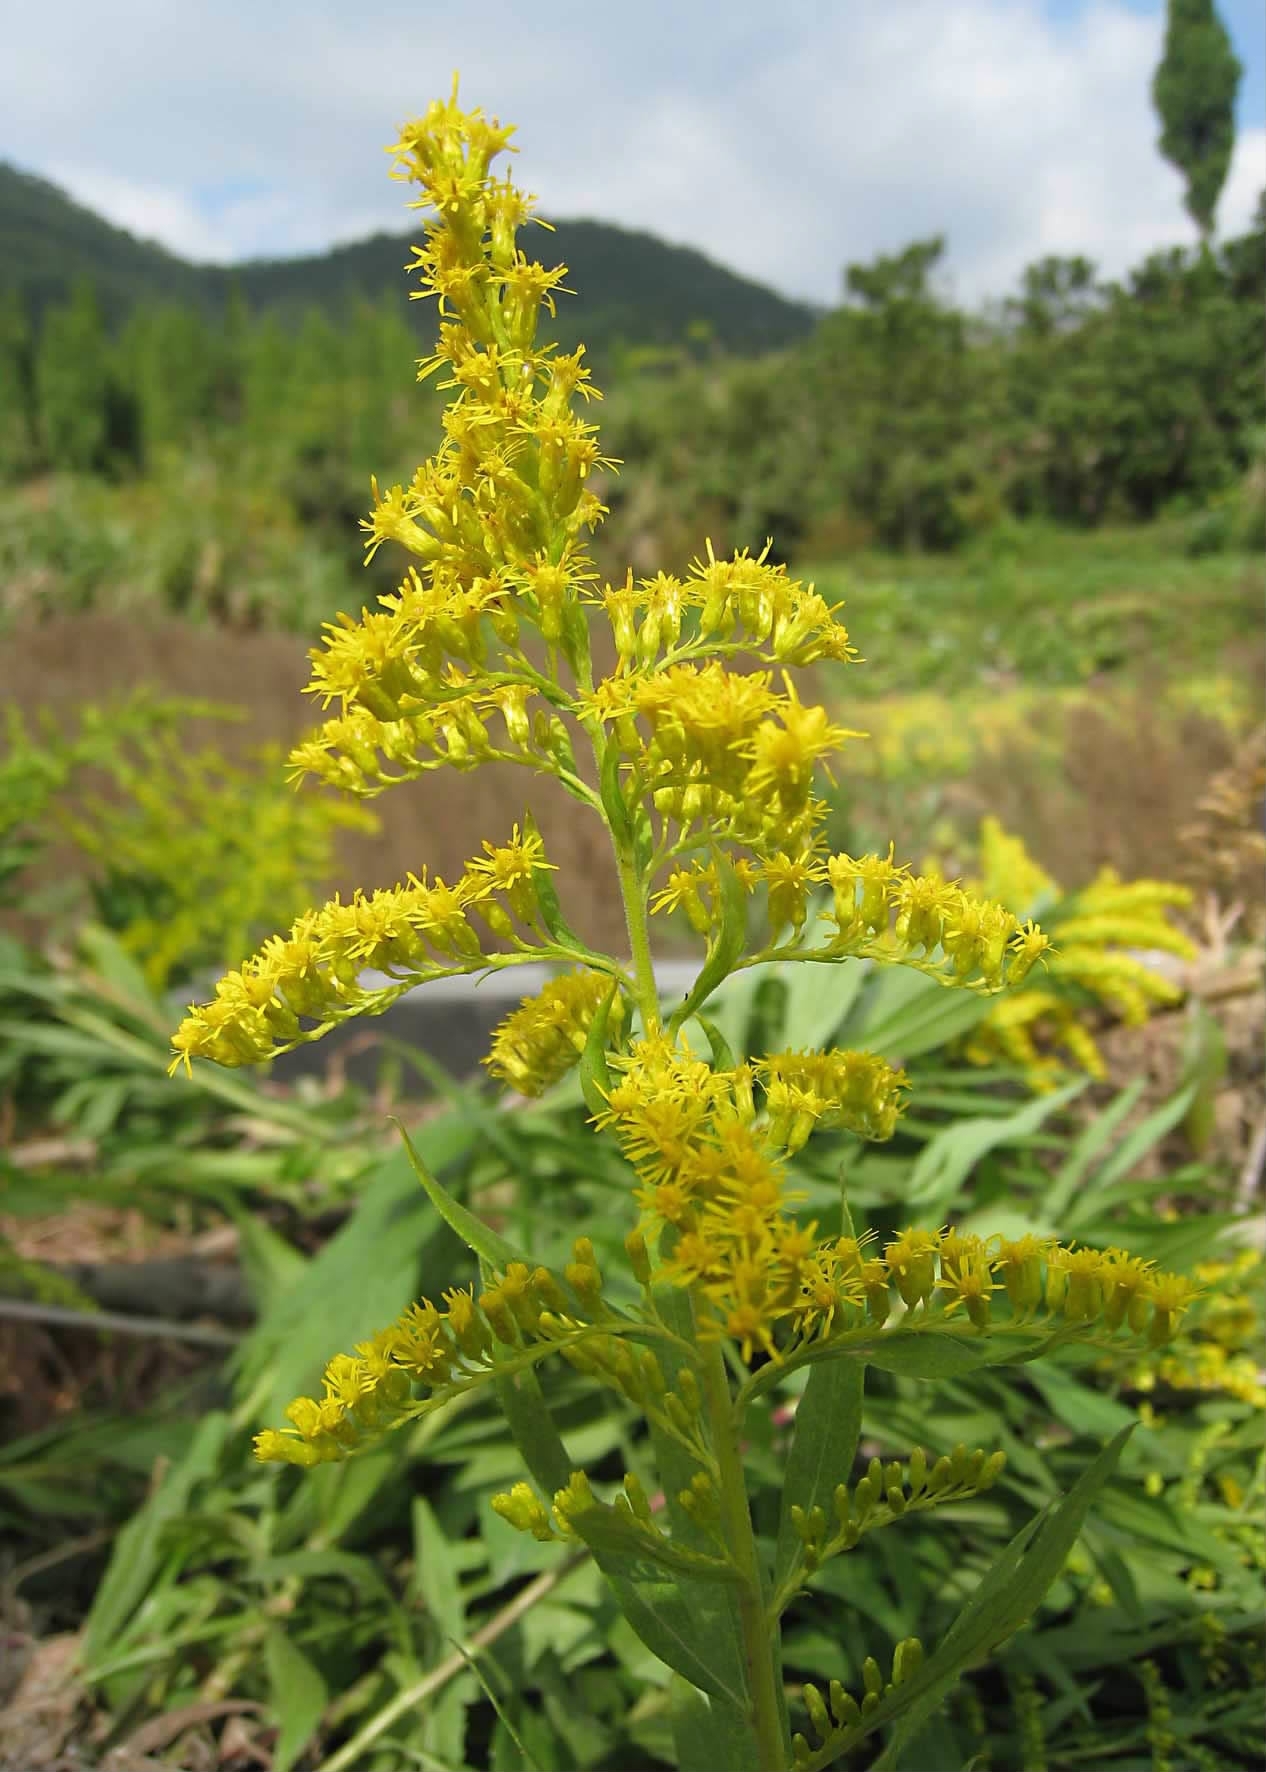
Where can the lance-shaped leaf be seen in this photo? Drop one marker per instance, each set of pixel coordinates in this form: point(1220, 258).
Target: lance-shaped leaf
point(827, 1426)
point(727, 944)
point(708, 1733)
point(595, 1078)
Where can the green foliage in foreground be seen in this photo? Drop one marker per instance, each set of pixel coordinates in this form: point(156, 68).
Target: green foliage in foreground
point(356, 1602)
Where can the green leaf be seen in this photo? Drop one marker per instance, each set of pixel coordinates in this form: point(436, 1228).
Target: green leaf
point(552, 916)
point(363, 1277)
point(945, 1163)
point(272, 1265)
point(727, 944)
point(819, 996)
point(709, 1734)
point(1057, 1198)
point(436, 1578)
point(1009, 1593)
point(723, 1058)
point(137, 1554)
point(595, 1078)
point(1205, 1065)
point(703, 1613)
point(667, 1614)
point(824, 1442)
point(539, 1442)
point(910, 1013)
point(1132, 1148)
point(925, 1354)
point(612, 794)
point(298, 1696)
point(476, 1235)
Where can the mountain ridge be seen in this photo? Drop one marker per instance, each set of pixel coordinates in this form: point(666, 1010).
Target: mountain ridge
point(633, 288)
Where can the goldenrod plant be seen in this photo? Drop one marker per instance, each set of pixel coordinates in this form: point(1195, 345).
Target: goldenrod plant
point(1097, 965)
point(189, 855)
point(701, 760)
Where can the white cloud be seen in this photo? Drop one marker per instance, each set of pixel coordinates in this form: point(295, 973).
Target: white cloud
point(785, 143)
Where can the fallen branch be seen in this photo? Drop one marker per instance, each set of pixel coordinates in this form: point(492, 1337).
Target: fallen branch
point(22, 1310)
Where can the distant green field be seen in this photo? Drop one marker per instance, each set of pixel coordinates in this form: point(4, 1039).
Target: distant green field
point(1051, 609)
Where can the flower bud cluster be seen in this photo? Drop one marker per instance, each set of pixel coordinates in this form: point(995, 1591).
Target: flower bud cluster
point(1106, 1289)
point(1220, 1350)
point(724, 756)
point(880, 911)
point(889, 1491)
point(980, 942)
point(835, 1718)
point(300, 985)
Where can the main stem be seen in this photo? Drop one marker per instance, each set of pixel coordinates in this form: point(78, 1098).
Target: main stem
point(736, 1519)
point(736, 1522)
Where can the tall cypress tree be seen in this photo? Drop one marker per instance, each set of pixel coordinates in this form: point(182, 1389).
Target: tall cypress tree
point(1194, 92)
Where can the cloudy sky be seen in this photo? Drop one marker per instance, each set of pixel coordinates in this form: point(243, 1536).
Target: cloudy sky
point(785, 140)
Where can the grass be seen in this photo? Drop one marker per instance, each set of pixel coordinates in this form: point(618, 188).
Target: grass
point(1046, 608)
point(1083, 687)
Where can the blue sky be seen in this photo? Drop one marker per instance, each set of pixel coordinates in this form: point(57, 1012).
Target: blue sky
point(785, 140)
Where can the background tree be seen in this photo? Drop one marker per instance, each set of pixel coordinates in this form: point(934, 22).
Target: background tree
point(72, 383)
point(1194, 93)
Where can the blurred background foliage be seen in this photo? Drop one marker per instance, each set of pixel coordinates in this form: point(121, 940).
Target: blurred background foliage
point(1047, 521)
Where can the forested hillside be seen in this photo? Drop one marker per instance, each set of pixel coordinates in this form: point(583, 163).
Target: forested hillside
point(638, 290)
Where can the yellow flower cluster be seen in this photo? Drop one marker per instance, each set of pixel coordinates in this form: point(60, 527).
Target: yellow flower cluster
point(828, 1291)
point(521, 1314)
point(880, 910)
point(1221, 1349)
point(708, 1147)
point(496, 520)
point(1090, 964)
point(1107, 1287)
point(542, 1039)
point(300, 985)
point(724, 606)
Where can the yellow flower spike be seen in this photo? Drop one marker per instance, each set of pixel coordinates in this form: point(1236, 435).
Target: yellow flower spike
point(877, 877)
point(411, 932)
point(1124, 1278)
point(707, 773)
point(784, 756)
point(271, 1447)
point(790, 881)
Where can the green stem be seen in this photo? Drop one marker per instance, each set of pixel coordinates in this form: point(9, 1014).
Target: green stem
point(634, 896)
point(633, 892)
point(736, 1521)
point(766, 1711)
